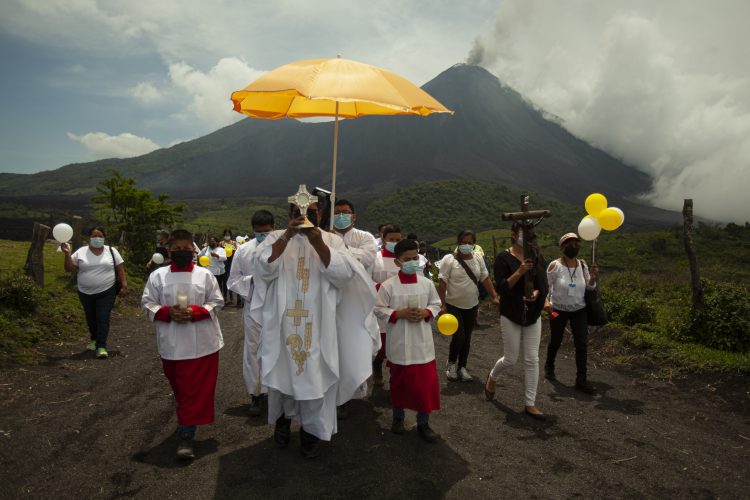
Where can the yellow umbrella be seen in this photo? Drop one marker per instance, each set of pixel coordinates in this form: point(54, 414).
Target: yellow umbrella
point(340, 88)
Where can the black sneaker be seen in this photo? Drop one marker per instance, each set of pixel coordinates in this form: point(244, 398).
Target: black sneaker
point(549, 372)
point(397, 427)
point(427, 433)
point(256, 406)
point(583, 386)
point(185, 447)
point(283, 432)
point(310, 444)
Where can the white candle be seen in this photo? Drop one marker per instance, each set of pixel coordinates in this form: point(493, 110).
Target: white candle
point(182, 300)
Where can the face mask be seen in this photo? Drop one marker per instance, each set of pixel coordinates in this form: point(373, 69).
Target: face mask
point(342, 221)
point(96, 241)
point(519, 240)
point(227, 238)
point(466, 249)
point(410, 266)
point(570, 252)
point(259, 237)
point(390, 246)
point(182, 258)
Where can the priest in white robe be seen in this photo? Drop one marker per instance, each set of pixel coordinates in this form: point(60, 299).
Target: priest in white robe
point(242, 283)
point(315, 347)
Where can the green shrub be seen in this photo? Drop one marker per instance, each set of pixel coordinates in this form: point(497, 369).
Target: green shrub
point(628, 299)
point(19, 293)
point(724, 323)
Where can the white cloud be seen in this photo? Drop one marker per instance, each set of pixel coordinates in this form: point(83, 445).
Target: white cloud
point(101, 145)
point(207, 93)
point(146, 94)
point(663, 85)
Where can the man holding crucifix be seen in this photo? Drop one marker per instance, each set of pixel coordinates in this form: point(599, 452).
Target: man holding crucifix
point(521, 282)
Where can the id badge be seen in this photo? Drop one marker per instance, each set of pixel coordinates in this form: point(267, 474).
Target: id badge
point(571, 289)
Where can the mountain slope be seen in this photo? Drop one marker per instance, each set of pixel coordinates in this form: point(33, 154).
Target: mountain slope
point(494, 135)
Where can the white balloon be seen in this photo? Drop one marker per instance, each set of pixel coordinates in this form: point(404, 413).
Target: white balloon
point(62, 233)
point(157, 259)
point(589, 229)
point(621, 213)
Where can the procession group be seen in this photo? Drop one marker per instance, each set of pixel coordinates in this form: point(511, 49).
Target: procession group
point(325, 310)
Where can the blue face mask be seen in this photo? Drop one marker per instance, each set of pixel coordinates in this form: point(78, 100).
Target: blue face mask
point(466, 249)
point(390, 246)
point(96, 242)
point(410, 266)
point(259, 237)
point(342, 221)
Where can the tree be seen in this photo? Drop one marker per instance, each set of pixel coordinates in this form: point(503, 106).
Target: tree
point(124, 209)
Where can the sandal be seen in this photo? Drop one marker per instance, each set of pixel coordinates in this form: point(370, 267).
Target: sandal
point(488, 395)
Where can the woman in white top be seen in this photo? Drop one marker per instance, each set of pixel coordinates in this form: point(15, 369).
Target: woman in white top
point(568, 279)
point(459, 295)
point(98, 267)
point(218, 257)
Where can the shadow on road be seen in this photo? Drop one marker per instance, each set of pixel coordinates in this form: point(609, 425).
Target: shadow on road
point(601, 398)
point(163, 454)
point(363, 460)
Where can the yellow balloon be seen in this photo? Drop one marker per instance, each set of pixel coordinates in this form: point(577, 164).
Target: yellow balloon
point(447, 324)
point(610, 219)
point(228, 250)
point(204, 260)
point(595, 204)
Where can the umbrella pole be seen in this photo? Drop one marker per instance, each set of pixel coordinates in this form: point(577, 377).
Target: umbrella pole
point(335, 156)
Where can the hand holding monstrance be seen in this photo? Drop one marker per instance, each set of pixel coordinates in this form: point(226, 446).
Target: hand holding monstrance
point(303, 199)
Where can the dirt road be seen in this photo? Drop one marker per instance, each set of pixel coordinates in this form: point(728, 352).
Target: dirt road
point(77, 427)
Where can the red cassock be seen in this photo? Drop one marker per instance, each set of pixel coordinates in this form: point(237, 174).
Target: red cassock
point(415, 387)
point(194, 384)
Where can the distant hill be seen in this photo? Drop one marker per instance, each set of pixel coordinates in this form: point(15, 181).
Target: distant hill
point(495, 135)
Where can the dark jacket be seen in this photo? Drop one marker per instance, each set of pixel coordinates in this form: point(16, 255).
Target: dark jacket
point(511, 299)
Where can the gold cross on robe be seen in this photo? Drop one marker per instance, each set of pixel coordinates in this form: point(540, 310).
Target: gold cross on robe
point(297, 313)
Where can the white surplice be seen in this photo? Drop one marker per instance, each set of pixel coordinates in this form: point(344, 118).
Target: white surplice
point(241, 282)
point(216, 264)
point(315, 344)
point(363, 247)
point(384, 267)
point(184, 340)
point(408, 342)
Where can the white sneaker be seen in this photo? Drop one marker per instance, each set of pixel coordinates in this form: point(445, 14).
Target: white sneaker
point(464, 374)
point(452, 372)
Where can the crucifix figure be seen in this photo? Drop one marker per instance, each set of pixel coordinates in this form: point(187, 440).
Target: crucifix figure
point(530, 248)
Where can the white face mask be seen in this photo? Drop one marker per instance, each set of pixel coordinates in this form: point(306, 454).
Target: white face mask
point(466, 249)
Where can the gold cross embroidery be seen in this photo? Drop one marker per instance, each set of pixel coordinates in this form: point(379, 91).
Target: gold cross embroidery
point(300, 268)
point(306, 281)
point(297, 313)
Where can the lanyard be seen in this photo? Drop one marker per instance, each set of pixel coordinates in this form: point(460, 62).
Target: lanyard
point(573, 274)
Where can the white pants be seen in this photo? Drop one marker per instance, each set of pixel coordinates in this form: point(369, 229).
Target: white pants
point(513, 333)
point(250, 361)
point(316, 416)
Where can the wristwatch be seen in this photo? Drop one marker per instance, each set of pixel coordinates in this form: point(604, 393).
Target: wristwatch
point(283, 237)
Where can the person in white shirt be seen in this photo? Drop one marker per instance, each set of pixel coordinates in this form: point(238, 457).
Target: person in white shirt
point(100, 267)
point(384, 268)
point(217, 257)
point(460, 273)
point(242, 283)
point(315, 348)
point(569, 278)
point(182, 301)
point(363, 247)
point(407, 302)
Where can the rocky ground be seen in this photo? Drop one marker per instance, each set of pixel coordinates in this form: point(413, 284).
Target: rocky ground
point(77, 427)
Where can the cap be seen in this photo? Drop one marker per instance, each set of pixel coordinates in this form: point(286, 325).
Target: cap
point(568, 236)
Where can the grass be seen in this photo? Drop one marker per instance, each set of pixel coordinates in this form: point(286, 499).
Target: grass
point(57, 315)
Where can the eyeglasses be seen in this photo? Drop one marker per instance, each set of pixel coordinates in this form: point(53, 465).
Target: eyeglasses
point(337, 212)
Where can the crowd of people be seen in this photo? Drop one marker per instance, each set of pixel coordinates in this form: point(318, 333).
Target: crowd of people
point(326, 311)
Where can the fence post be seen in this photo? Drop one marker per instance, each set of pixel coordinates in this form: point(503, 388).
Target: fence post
point(35, 259)
point(77, 233)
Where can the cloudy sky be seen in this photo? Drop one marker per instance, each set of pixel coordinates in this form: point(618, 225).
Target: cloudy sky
point(664, 85)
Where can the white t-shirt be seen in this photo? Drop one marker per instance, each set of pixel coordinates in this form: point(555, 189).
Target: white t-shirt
point(96, 273)
point(567, 285)
point(461, 291)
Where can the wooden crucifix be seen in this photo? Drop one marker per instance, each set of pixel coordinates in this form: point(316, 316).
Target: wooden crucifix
point(527, 220)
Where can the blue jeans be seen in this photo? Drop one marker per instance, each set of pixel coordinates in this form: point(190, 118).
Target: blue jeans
point(98, 308)
point(399, 414)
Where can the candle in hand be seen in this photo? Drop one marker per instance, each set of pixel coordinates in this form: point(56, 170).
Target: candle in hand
point(182, 301)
